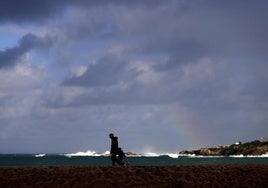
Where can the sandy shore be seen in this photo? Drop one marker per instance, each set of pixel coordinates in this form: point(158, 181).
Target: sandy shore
point(136, 176)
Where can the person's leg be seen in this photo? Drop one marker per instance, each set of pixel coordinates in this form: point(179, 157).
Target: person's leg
point(113, 157)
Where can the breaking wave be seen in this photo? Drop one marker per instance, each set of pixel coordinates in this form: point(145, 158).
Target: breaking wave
point(240, 156)
point(149, 154)
point(91, 153)
point(233, 156)
point(87, 153)
point(40, 155)
point(107, 153)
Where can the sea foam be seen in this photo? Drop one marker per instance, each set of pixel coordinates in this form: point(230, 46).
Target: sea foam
point(87, 153)
point(172, 155)
point(40, 155)
point(107, 153)
point(152, 154)
point(253, 156)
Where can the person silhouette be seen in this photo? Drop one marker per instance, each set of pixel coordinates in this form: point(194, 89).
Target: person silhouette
point(114, 149)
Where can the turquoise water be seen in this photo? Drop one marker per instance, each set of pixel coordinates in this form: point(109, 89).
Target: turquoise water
point(58, 160)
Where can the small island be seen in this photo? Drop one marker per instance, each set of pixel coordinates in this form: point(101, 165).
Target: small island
point(254, 148)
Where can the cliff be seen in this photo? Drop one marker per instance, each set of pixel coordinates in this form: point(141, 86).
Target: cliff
point(249, 148)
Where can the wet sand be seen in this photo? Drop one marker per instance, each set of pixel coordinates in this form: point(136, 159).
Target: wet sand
point(136, 176)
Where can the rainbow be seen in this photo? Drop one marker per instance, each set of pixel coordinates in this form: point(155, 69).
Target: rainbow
point(185, 124)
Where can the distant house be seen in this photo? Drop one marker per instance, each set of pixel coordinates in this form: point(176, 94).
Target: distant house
point(238, 143)
point(263, 139)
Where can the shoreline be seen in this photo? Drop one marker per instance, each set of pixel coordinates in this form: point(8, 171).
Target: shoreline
point(136, 176)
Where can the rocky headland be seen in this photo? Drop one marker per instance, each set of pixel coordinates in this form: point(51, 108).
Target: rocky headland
point(250, 148)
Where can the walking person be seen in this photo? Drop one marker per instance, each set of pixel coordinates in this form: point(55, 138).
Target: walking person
point(114, 149)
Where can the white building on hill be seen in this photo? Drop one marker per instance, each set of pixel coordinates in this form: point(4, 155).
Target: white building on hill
point(263, 139)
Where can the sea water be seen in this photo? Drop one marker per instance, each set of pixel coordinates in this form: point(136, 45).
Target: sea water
point(93, 159)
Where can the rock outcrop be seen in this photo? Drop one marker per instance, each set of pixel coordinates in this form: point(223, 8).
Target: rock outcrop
point(249, 148)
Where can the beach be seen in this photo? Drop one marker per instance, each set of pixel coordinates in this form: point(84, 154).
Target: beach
point(136, 176)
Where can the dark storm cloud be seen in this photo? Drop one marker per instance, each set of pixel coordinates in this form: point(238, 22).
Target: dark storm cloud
point(28, 10)
point(107, 71)
point(184, 52)
point(118, 85)
point(183, 33)
point(133, 95)
point(197, 64)
point(226, 29)
point(38, 10)
point(29, 41)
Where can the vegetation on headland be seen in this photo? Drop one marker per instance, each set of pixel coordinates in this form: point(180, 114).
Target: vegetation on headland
point(250, 148)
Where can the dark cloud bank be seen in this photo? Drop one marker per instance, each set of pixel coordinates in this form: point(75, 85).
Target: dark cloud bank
point(10, 56)
point(207, 59)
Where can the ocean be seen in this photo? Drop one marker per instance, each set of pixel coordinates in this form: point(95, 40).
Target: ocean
point(94, 159)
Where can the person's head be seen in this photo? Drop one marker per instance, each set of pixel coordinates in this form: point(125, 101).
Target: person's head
point(111, 135)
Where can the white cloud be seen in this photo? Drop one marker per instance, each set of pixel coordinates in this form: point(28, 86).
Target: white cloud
point(148, 75)
point(21, 89)
point(77, 70)
point(22, 76)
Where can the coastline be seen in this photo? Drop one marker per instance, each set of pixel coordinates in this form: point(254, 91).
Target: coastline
point(136, 176)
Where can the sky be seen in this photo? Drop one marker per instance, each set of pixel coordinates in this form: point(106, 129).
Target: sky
point(163, 76)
